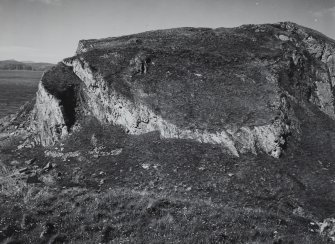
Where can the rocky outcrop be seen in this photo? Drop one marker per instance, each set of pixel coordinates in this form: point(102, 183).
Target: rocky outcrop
point(331, 67)
point(231, 87)
point(47, 118)
point(136, 118)
point(313, 57)
point(111, 107)
point(327, 228)
point(56, 106)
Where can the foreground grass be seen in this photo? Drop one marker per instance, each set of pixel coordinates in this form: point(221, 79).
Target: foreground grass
point(104, 186)
point(79, 215)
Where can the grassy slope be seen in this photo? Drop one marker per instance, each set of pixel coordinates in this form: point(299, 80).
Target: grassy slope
point(203, 78)
point(151, 192)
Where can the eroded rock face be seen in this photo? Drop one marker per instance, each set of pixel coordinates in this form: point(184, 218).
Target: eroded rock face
point(327, 228)
point(56, 106)
point(331, 67)
point(137, 118)
point(222, 86)
point(48, 119)
point(316, 64)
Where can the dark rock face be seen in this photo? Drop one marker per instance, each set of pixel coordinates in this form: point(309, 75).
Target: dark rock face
point(224, 86)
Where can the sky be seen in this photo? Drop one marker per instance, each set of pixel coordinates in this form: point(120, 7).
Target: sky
point(49, 30)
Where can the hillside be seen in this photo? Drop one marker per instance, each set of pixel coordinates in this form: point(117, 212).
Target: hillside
point(17, 65)
point(188, 135)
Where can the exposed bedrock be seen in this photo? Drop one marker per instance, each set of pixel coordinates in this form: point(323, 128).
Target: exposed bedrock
point(313, 64)
point(48, 120)
point(137, 118)
point(231, 87)
point(56, 106)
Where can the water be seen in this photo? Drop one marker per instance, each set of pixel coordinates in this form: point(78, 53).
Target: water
point(16, 88)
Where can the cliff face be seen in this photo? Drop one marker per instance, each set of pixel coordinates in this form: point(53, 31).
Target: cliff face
point(232, 87)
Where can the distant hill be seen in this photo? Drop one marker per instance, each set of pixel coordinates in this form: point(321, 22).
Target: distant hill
point(21, 65)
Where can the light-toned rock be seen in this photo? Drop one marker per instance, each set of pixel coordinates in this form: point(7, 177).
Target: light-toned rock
point(47, 118)
point(283, 38)
point(327, 228)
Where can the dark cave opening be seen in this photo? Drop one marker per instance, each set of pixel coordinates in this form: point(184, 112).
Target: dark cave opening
point(68, 102)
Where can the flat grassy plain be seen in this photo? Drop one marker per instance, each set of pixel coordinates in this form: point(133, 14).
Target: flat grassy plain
point(16, 88)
